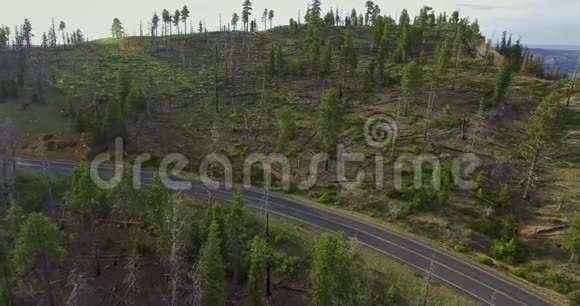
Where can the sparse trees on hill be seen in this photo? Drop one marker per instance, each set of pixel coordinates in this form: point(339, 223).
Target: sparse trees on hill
point(4, 37)
point(117, 30)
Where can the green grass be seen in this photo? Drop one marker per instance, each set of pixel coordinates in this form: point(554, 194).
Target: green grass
point(33, 121)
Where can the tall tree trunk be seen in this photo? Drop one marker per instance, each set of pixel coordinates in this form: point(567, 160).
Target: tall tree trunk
point(43, 274)
point(530, 177)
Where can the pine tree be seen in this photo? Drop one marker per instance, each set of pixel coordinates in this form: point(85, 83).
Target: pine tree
point(271, 17)
point(184, 16)
point(117, 30)
point(135, 101)
point(369, 79)
point(502, 83)
point(246, 13)
point(27, 33)
point(176, 20)
point(286, 129)
point(333, 279)
point(39, 242)
point(330, 120)
point(314, 42)
point(349, 59)
point(411, 82)
point(212, 269)
point(405, 44)
point(235, 19)
point(258, 257)
point(327, 60)
point(236, 234)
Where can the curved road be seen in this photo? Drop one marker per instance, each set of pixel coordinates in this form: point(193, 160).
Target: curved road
point(484, 286)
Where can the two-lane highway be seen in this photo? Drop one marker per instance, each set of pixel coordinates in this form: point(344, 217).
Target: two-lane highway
point(464, 276)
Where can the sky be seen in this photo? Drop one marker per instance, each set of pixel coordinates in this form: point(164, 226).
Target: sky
point(537, 22)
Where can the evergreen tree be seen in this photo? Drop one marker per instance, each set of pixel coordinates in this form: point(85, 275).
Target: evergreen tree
point(135, 102)
point(502, 83)
point(27, 33)
point(330, 121)
point(246, 13)
point(212, 269)
point(369, 79)
point(314, 42)
point(327, 60)
point(349, 59)
point(411, 82)
point(117, 28)
point(236, 234)
point(39, 242)
point(404, 19)
point(271, 17)
point(286, 129)
point(258, 257)
point(333, 279)
point(184, 16)
point(166, 17)
point(235, 20)
point(176, 20)
point(405, 44)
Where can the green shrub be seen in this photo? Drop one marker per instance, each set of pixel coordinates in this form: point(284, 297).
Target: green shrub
point(327, 198)
point(484, 260)
point(459, 248)
point(558, 282)
point(509, 251)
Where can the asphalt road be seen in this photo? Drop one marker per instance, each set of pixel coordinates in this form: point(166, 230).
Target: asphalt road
point(484, 286)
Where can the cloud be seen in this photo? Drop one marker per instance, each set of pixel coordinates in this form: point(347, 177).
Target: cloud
point(479, 7)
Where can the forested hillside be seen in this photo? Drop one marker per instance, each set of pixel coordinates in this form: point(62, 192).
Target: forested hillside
point(311, 86)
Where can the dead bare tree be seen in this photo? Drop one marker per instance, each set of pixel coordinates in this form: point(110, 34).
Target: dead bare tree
point(130, 281)
point(77, 282)
point(195, 293)
point(427, 283)
point(176, 221)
